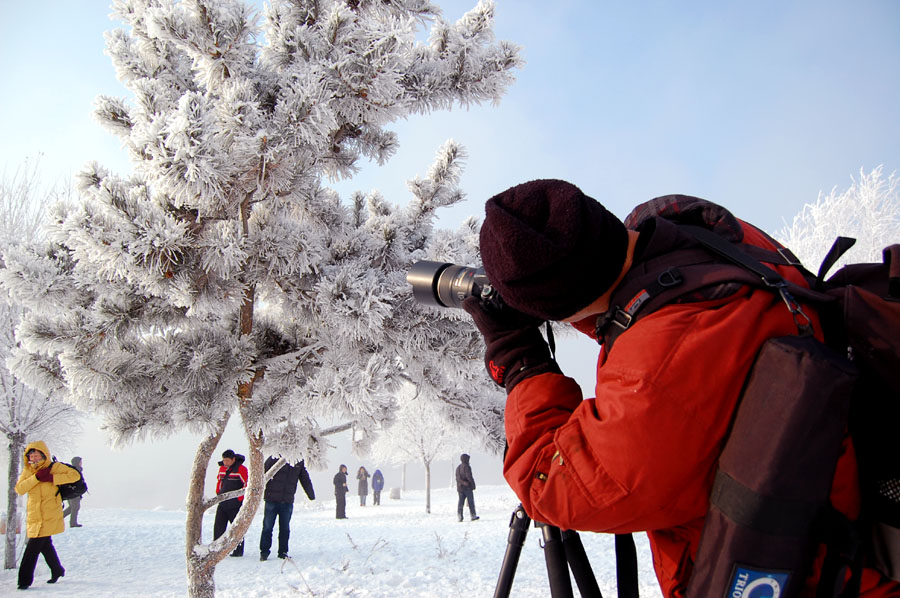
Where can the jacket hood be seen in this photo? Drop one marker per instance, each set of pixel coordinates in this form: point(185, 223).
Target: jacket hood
point(41, 446)
point(76, 461)
point(464, 458)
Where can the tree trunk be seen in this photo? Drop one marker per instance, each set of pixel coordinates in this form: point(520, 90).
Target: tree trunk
point(427, 486)
point(16, 447)
point(200, 569)
point(201, 564)
point(403, 478)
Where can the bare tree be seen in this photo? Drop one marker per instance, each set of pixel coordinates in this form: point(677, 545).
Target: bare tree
point(24, 412)
point(419, 433)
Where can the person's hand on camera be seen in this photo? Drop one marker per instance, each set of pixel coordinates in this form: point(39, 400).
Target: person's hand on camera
point(515, 349)
point(44, 475)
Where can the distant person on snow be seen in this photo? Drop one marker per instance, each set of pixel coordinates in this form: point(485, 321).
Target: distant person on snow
point(279, 498)
point(363, 487)
point(340, 492)
point(71, 511)
point(40, 479)
point(232, 476)
point(377, 486)
point(465, 487)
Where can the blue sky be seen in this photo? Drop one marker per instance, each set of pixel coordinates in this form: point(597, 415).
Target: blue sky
point(756, 105)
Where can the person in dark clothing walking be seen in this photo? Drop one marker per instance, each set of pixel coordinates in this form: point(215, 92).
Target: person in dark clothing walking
point(340, 492)
point(279, 498)
point(465, 487)
point(232, 476)
point(377, 486)
point(71, 510)
point(363, 487)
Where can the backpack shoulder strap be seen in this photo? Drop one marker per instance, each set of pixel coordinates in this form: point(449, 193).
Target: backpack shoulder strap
point(662, 281)
point(679, 273)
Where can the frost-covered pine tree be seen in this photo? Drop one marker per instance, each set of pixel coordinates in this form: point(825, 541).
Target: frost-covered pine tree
point(223, 277)
point(868, 211)
point(25, 413)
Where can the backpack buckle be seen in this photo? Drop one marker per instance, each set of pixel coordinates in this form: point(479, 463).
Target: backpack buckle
point(788, 256)
point(621, 319)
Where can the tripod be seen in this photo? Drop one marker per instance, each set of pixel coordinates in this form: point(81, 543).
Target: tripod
point(563, 550)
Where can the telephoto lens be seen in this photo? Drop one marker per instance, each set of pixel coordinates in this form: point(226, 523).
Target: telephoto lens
point(447, 285)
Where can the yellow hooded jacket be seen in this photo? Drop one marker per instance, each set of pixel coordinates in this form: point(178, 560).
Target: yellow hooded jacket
point(44, 514)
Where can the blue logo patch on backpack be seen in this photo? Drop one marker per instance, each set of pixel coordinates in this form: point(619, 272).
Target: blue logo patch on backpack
point(748, 582)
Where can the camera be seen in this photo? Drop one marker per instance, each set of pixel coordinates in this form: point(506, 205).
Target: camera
point(447, 285)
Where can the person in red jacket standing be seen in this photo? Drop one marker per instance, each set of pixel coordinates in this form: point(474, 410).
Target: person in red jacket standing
point(232, 476)
point(642, 455)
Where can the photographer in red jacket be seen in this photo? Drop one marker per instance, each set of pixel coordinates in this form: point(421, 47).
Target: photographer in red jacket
point(642, 455)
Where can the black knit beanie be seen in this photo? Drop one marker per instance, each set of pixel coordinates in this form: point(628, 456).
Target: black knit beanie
point(549, 249)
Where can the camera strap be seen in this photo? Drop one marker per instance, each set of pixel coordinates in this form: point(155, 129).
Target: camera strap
point(551, 342)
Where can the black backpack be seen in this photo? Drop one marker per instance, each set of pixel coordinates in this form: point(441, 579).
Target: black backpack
point(72, 489)
point(748, 524)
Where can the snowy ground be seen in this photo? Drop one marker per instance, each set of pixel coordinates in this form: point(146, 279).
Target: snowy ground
point(394, 550)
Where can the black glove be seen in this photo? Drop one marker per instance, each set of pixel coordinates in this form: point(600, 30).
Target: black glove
point(515, 348)
point(44, 475)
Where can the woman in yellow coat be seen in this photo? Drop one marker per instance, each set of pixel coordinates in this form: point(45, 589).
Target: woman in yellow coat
point(44, 513)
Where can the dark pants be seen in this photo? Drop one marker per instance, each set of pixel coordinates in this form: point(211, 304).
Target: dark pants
point(466, 494)
point(340, 500)
point(282, 510)
point(71, 511)
point(225, 514)
point(35, 547)
point(376, 497)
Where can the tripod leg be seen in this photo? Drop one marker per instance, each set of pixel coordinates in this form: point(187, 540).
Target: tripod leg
point(581, 567)
point(518, 529)
point(626, 566)
point(557, 566)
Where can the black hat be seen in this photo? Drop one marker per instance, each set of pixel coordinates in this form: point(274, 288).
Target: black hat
point(549, 249)
point(228, 454)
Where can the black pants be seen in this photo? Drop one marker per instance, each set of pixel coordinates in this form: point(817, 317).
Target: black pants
point(36, 546)
point(225, 514)
point(340, 500)
point(466, 495)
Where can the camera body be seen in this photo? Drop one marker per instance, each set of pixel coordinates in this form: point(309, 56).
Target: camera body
point(443, 284)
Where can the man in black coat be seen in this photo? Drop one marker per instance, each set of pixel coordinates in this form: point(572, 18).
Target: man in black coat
point(465, 487)
point(340, 492)
point(279, 497)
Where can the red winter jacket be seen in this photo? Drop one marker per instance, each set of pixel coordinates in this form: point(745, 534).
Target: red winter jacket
point(641, 456)
point(233, 478)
